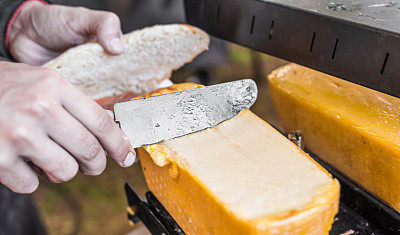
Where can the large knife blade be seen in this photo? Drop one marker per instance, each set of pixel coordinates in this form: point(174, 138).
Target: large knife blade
point(154, 119)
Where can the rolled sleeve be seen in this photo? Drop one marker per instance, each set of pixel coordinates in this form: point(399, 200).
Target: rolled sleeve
point(7, 9)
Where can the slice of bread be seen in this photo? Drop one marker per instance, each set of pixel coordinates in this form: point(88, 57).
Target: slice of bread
point(240, 177)
point(150, 55)
point(351, 127)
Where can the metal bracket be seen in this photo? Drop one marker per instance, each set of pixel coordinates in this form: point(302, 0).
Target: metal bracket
point(297, 138)
point(151, 212)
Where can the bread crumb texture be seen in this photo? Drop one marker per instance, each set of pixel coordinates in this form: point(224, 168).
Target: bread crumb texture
point(240, 177)
point(150, 55)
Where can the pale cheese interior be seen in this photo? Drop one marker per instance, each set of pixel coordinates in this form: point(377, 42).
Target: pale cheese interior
point(272, 179)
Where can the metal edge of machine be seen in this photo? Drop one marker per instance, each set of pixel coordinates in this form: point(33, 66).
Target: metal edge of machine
point(360, 53)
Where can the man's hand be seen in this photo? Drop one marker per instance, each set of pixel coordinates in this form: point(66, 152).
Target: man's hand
point(46, 121)
point(41, 32)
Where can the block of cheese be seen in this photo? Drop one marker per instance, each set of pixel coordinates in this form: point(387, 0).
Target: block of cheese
point(240, 177)
point(353, 128)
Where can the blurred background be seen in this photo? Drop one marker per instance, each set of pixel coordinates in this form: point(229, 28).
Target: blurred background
point(97, 205)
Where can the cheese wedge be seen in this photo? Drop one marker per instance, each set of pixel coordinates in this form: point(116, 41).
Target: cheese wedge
point(353, 128)
point(240, 177)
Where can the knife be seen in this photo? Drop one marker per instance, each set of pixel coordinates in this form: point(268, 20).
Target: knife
point(151, 120)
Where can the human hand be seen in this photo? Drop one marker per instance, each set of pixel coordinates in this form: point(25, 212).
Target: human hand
point(41, 32)
point(45, 120)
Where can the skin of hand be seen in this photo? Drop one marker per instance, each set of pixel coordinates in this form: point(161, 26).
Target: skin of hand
point(46, 123)
point(41, 32)
point(45, 120)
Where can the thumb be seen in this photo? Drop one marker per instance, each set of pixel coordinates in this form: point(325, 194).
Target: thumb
point(107, 28)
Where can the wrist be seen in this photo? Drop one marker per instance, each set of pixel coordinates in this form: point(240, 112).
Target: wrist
point(20, 21)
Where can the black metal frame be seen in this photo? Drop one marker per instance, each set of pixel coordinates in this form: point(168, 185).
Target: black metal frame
point(151, 212)
point(340, 46)
point(359, 210)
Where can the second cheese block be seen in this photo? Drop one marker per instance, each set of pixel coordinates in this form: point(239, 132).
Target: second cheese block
point(353, 128)
point(240, 177)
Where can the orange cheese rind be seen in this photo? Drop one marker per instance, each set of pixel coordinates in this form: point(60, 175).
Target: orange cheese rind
point(170, 89)
point(315, 218)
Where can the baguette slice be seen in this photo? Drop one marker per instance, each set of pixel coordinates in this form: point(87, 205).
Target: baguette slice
point(353, 128)
point(150, 55)
point(240, 177)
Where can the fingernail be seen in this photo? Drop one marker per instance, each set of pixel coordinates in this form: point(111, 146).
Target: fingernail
point(129, 160)
point(116, 45)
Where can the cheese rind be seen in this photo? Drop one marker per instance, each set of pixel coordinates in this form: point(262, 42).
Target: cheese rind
point(241, 177)
point(353, 128)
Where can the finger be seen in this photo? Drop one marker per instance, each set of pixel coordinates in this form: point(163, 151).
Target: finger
point(19, 177)
point(101, 125)
point(77, 140)
point(107, 27)
point(31, 52)
point(32, 142)
point(58, 165)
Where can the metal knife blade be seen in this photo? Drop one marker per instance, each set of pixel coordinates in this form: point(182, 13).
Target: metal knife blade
point(154, 119)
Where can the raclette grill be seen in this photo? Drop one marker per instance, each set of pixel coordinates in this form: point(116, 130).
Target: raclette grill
point(358, 41)
point(355, 40)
